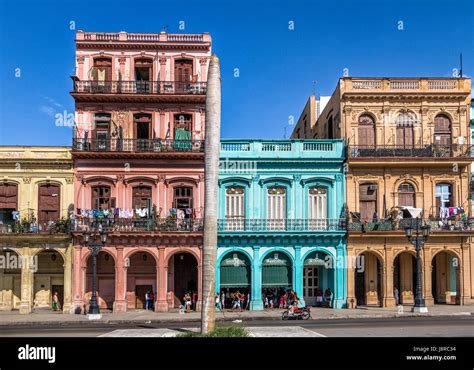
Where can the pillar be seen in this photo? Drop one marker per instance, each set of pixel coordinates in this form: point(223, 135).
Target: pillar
point(465, 275)
point(340, 288)
point(68, 271)
point(256, 303)
point(389, 299)
point(298, 274)
point(351, 270)
point(120, 302)
point(78, 280)
point(161, 304)
point(26, 282)
point(427, 271)
point(199, 267)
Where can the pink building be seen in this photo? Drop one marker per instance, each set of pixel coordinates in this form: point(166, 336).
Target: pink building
point(138, 152)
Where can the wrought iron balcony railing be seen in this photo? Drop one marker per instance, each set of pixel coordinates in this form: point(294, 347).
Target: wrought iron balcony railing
point(140, 87)
point(283, 225)
point(137, 145)
point(436, 224)
point(26, 227)
point(139, 225)
point(434, 150)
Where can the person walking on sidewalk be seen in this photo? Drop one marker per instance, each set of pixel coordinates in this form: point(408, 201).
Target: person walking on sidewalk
point(56, 305)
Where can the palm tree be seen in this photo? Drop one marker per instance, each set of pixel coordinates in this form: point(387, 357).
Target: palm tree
point(212, 148)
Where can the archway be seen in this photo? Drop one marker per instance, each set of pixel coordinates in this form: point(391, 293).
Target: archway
point(105, 280)
point(10, 280)
point(141, 278)
point(445, 282)
point(235, 276)
point(48, 279)
point(182, 278)
point(368, 281)
point(277, 277)
point(318, 276)
point(404, 278)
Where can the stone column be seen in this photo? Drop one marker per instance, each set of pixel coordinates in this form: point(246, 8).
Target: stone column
point(426, 276)
point(351, 270)
point(162, 276)
point(78, 280)
point(256, 303)
point(389, 299)
point(465, 275)
point(68, 270)
point(26, 282)
point(120, 302)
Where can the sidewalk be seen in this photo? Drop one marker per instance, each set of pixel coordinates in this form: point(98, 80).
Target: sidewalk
point(46, 317)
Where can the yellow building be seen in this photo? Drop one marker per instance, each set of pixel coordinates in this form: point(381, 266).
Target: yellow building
point(408, 156)
point(36, 194)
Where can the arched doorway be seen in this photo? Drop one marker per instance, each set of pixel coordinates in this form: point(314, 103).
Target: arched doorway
point(445, 282)
point(317, 278)
point(277, 277)
point(182, 277)
point(141, 278)
point(366, 132)
point(10, 280)
point(404, 278)
point(235, 274)
point(368, 282)
point(105, 280)
point(48, 279)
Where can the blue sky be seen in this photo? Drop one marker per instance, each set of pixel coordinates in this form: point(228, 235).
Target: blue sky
point(277, 66)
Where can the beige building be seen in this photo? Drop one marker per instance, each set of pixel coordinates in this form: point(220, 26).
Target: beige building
point(36, 194)
point(408, 156)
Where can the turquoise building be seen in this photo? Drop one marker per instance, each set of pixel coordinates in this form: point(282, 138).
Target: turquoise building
point(281, 220)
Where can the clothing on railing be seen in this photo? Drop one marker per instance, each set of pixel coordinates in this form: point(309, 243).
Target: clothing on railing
point(16, 215)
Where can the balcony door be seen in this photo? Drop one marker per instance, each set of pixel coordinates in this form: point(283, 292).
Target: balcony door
point(143, 75)
point(101, 133)
point(367, 201)
point(235, 208)
point(142, 123)
point(276, 208)
point(366, 132)
point(404, 134)
point(406, 195)
point(101, 74)
point(183, 74)
point(8, 201)
point(101, 198)
point(183, 201)
point(442, 134)
point(317, 208)
point(49, 203)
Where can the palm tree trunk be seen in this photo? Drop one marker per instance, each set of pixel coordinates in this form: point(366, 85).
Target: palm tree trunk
point(212, 148)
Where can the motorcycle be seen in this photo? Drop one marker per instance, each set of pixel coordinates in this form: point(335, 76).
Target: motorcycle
point(298, 314)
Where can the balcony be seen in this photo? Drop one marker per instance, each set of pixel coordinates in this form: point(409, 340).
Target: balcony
point(284, 225)
point(437, 225)
point(130, 225)
point(140, 87)
point(405, 85)
point(156, 146)
point(420, 151)
point(291, 149)
point(32, 228)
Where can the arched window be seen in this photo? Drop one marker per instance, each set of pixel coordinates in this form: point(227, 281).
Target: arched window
point(442, 130)
point(406, 195)
point(366, 131)
point(276, 208)
point(405, 122)
point(235, 207)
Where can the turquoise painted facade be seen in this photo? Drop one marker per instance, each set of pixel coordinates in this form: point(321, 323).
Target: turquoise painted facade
point(281, 218)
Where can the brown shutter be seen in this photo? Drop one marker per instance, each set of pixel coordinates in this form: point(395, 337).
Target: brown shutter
point(8, 196)
point(49, 203)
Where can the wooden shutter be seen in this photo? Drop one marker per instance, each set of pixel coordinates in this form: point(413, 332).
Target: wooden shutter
point(366, 131)
point(49, 203)
point(8, 196)
point(141, 196)
point(101, 64)
point(367, 201)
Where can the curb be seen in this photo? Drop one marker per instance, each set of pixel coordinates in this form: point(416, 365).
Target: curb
point(219, 319)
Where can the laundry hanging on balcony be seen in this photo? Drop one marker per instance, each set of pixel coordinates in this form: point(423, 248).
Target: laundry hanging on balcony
point(411, 212)
point(182, 140)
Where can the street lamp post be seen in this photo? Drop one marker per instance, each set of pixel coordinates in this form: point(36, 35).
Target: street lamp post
point(90, 240)
point(417, 235)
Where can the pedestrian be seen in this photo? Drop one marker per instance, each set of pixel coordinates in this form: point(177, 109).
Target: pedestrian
point(319, 297)
point(152, 301)
point(194, 301)
point(55, 304)
point(242, 300)
point(327, 297)
point(223, 301)
point(187, 302)
point(247, 306)
point(218, 304)
point(147, 300)
point(395, 295)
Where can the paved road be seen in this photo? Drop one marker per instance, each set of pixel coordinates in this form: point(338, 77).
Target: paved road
point(462, 326)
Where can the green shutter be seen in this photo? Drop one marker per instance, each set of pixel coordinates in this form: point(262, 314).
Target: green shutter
point(235, 271)
point(277, 271)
